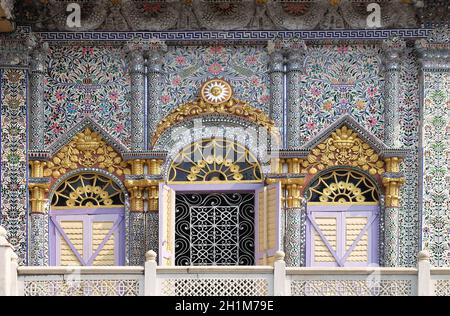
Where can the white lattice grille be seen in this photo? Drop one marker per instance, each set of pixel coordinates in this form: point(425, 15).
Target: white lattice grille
point(351, 288)
point(214, 287)
point(442, 288)
point(82, 288)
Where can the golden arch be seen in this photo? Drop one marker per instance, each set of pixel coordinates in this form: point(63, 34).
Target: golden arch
point(215, 160)
point(87, 190)
point(227, 105)
point(342, 186)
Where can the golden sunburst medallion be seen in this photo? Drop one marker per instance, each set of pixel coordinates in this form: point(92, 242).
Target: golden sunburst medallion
point(216, 91)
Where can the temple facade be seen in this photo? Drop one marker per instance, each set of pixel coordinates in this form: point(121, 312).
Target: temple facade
point(217, 134)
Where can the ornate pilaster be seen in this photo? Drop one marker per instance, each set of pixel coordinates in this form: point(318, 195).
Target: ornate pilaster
point(295, 57)
point(392, 49)
point(276, 75)
point(36, 81)
point(434, 55)
point(154, 169)
point(151, 216)
point(156, 53)
point(293, 209)
point(38, 187)
point(392, 180)
point(143, 185)
point(136, 230)
point(136, 69)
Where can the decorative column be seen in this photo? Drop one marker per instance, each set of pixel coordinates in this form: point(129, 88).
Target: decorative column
point(36, 81)
point(136, 239)
point(136, 69)
point(294, 226)
point(37, 184)
point(434, 53)
point(295, 57)
point(392, 49)
point(156, 53)
point(38, 187)
point(276, 75)
point(392, 180)
point(151, 216)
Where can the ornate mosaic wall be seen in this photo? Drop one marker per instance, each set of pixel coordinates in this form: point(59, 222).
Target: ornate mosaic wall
point(409, 122)
point(244, 67)
point(342, 79)
point(87, 80)
point(436, 155)
point(13, 97)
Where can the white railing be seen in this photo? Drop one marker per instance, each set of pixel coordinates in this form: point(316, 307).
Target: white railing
point(277, 280)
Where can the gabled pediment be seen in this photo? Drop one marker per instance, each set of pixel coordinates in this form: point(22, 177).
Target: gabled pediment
point(87, 122)
point(351, 123)
point(345, 143)
point(86, 146)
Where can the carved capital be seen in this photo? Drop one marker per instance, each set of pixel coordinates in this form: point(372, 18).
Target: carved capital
point(393, 48)
point(434, 51)
point(38, 196)
point(392, 186)
point(155, 53)
point(136, 198)
point(154, 166)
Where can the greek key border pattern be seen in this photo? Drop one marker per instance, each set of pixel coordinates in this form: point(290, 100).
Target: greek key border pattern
point(234, 35)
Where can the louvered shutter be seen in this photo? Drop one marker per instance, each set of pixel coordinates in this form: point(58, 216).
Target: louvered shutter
point(267, 223)
point(167, 225)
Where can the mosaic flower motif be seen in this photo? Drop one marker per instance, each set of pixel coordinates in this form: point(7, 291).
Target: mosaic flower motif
point(86, 81)
point(241, 66)
point(215, 68)
point(339, 80)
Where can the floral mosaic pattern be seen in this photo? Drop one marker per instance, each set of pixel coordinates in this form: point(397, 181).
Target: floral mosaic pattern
point(186, 68)
point(436, 155)
point(87, 81)
point(409, 138)
point(341, 79)
point(14, 162)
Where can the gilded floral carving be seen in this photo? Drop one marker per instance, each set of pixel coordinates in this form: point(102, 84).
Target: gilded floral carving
point(86, 149)
point(344, 148)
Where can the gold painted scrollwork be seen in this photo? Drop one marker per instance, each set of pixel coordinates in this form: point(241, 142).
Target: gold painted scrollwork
point(87, 190)
point(342, 186)
point(344, 148)
point(216, 99)
point(86, 149)
point(215, 160)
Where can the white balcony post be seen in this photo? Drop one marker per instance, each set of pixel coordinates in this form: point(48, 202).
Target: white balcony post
point(6, 270)
point(424, 274)
point(279, 274)
point(150, 281)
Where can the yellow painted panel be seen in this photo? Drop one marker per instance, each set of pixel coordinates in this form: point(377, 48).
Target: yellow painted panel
point(106, 255)
point(272, 217)
point(353, 226)
point(261, 221)
point(74, 231)
point(328, 226)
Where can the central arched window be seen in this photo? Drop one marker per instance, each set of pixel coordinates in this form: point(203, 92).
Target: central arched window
point(215, 159)
point(342, 220)
point(215, 210)
point(87, 224)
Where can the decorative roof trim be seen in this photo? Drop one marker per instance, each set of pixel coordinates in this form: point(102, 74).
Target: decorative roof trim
point(199, 109)
point(79, 127)
point(348, 120)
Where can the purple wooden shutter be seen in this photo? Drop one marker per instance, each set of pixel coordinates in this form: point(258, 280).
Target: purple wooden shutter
point(352, 242)
point(101, 234)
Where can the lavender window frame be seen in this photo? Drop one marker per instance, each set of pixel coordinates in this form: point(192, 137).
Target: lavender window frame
point(372, 212)
point(88, 215)
point(217, 187)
